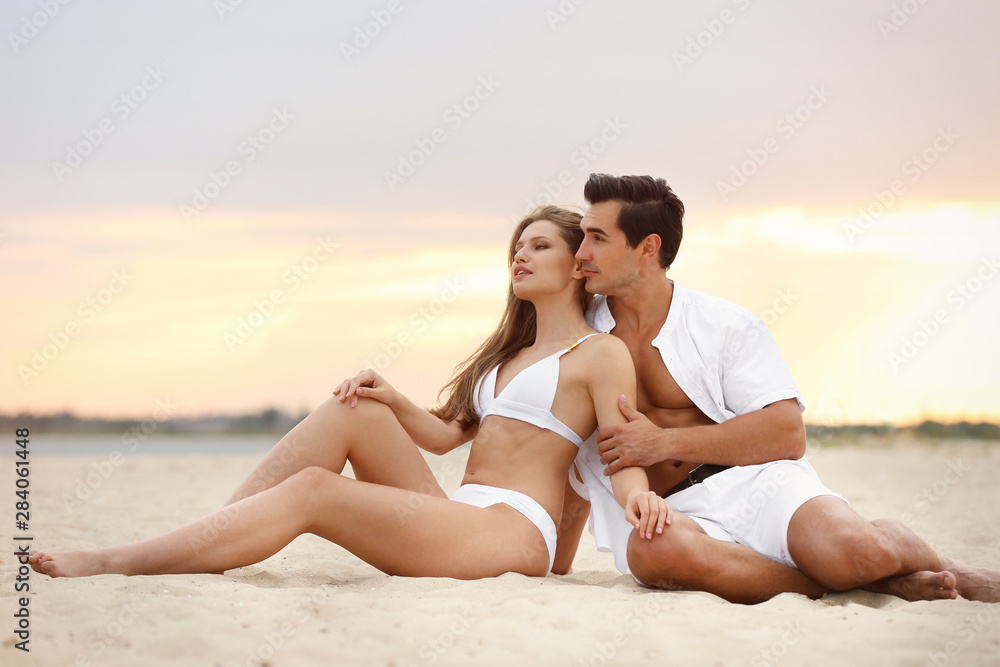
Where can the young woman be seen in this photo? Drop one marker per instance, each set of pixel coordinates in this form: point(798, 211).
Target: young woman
point(528, 398)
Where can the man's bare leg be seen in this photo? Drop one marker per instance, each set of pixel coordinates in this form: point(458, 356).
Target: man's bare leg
point(974, 583)
point(838, 548)
point(684, 557)
point(918, 586)
point(369, 435)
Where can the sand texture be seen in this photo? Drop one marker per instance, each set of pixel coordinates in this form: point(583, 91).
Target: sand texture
point(316, 604)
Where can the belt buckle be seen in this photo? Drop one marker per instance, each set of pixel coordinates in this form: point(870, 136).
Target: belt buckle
point(692, 477)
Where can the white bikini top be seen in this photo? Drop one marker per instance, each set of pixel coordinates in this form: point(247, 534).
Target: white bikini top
point(528, 397)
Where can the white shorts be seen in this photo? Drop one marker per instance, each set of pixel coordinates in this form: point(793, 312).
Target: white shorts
point(753, 505)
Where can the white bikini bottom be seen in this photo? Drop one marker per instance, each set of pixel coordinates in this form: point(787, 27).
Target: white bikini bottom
point(480, 495)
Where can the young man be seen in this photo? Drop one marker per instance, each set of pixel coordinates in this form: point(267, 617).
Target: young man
point(718, 428)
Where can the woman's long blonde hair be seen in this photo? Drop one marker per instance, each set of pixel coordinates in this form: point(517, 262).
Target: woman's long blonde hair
point(516, 330)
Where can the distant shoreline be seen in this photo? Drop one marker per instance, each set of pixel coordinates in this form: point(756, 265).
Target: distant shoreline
point(273, 421)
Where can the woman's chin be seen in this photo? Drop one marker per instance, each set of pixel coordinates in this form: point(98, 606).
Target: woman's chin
point(525, 293)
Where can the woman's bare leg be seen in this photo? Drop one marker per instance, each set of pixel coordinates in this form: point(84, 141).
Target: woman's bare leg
point(369, 435)
point(398, 531)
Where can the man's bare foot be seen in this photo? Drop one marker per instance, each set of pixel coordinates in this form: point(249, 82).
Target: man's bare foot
point(974, 583)
point(67, 563)
point(918, 586)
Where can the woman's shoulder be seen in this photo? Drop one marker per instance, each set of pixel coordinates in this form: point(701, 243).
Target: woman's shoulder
point(603, 345)
point(604, 360)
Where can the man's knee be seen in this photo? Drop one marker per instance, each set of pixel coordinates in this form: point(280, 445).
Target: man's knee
point(873, 556)
point(662, 562)
point(856, 558)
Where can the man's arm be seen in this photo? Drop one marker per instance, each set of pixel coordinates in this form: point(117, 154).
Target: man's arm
point(772, 433)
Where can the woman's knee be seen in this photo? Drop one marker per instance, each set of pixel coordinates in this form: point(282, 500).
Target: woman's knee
point(310, 481)
point(366, 413)
point(308, 495)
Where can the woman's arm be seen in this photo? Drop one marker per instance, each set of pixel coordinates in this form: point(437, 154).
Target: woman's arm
point(427, 431)
point(574, 517)
point(611, 379)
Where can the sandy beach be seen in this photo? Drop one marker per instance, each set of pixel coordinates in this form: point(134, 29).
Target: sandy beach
point(316, 604)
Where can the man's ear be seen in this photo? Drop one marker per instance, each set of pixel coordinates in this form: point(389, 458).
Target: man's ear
point(650, 248)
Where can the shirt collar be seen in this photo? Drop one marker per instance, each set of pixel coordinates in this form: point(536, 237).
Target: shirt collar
point(605, 321)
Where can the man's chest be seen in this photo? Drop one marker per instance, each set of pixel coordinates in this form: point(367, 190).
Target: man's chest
point(657, 389)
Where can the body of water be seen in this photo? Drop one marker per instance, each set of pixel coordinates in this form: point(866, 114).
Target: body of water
point(140, 444)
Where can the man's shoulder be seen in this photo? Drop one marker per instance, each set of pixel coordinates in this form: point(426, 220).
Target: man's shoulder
point(709, 308)
point(691, 308)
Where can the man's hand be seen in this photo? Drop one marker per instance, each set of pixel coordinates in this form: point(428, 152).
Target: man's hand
point(633, 444)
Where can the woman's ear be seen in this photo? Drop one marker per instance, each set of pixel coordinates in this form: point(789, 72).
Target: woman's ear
point(577, 273)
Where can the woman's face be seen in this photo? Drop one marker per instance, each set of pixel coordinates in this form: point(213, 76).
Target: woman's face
point(543, 262)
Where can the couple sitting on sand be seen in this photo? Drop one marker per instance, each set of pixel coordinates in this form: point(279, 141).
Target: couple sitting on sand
point(670, 411)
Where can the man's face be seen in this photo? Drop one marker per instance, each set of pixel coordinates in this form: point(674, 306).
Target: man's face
point(607, 261)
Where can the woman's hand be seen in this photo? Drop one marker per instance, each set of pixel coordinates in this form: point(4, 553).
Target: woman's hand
point(368, 384)
point(647, 511)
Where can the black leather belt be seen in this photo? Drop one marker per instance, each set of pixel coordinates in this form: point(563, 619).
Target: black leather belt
point(696, 476)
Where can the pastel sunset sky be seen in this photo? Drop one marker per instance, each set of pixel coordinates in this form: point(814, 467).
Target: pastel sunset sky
point(230, 206)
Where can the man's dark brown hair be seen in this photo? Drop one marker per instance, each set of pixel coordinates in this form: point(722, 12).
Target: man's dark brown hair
point(649, 206)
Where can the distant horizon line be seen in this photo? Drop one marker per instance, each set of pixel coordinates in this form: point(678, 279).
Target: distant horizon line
point(277, 420)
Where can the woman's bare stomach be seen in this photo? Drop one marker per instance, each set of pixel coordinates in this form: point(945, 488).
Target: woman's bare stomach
point(515, 455)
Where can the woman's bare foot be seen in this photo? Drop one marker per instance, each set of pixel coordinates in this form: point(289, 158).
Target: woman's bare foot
point(974, 583)
point(919, 586)
point(67, 563)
